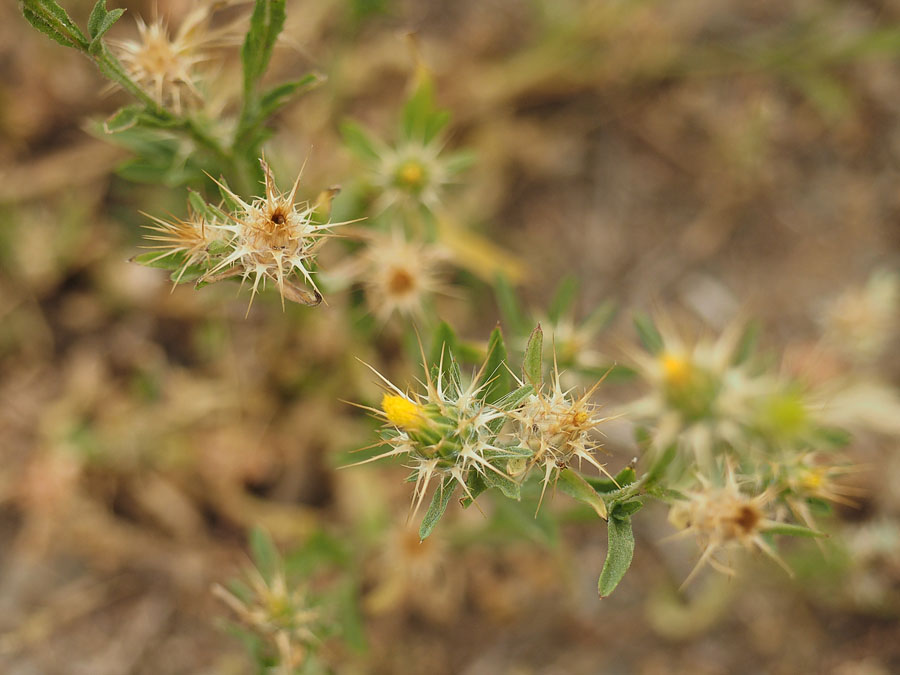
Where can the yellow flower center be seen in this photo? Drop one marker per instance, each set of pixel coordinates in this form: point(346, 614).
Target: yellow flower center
point(676, 369)
point(812, 479)
point(401, 412)
point(411, 175)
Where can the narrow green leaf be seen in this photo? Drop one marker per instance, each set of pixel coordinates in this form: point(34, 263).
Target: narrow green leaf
point(360, 142)
point(574, 485)
point(533, 362)
point(51, 20)
point(96, 18)
point(658, 469)
point(495, 376)
point(747, 344)
point(509, 305)
point(506, 485)
point(101, 20)
point(619, 553)
point(792, 530)
point(265, 555)
point(624, 509)
point(564, 298)
point(266, 23)
point(604, 485)
point(509, 402)
point(475, 485)
point(417, 112)
point(443, 343)
point(438, 505)
point(648, 333)
point(159, 259)
point(279, 96)
point(122, 119)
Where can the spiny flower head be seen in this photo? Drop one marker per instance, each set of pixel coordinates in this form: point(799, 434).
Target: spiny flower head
point(164, 66)
point(399, 275)
point(700, 394)
point(277, 611)
point(810, 476)
point(269, 238)
point(446, 431)
point(187, 240)
point(557, 427)
point(721, 517)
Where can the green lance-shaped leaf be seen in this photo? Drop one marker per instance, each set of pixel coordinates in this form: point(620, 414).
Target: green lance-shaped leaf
point(443, 344)
point(506, 485)
point(747, 344)
point(574, 485)
point(618, 555)
point(604, 485)
point(792, 530)
point(123, 119)
point(282, 94)
point(53, 21)
point(265, 555)
point(102, 20)
point(439, 501)
point(562, 301)
point(531, 364)
point(509, 305)
point(495, 376)
point(266, 23)
point(360, 142)
point(648, 333)
point(164, 260)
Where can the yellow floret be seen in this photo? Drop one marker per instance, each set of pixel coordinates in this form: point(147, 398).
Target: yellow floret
point(401, 412)
point(676, 369)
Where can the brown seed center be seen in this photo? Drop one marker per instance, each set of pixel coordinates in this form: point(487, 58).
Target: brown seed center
point(746, 518)
point(400, 281)
point(278, 218)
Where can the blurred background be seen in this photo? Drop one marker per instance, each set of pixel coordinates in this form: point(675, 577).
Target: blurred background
point(708, 159)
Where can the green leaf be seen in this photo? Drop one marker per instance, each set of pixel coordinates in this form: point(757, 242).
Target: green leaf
point(619, 553)
point(53, 21)
point(604, 485)
point(533, 361)
point(562, 301)
point(624, 509)
point(509, 305)
point(279, 96)
point(122, 119)
point(437, 507)
point(420, 121)
point(159, 259)
point(506, 485)
point(494, 377)
point(747, 344)
point(101, 20)
point(648, 333)
point(509, 402)
point(791, 530)
point(443, 343)
point(265, 555)
point(266, 23)
point(574, 485)
point(360, 142)
point(475, 486)
point(658, 468)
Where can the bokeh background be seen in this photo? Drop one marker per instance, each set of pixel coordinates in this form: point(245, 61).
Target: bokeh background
point(706, 159)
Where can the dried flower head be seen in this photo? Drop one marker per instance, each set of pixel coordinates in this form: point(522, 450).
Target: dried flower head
point(722, 517)
point(277, 612)
point(399, 275)
point(189, 240)
point(274, 238)
point(558, 428)
point(164, 66)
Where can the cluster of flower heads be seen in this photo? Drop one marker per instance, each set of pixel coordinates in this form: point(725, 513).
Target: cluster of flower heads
point(481, 434)
point(748, 447)
point(272, 238)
